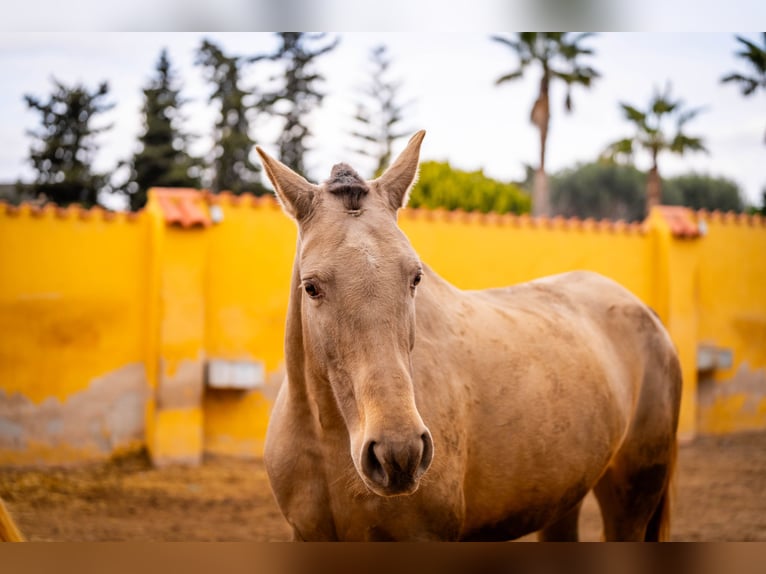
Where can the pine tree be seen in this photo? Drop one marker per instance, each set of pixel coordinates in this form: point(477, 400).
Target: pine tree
point(379, 115)
point(63, 151)
point(163, 160)
point(298, 96)
point(233, 169)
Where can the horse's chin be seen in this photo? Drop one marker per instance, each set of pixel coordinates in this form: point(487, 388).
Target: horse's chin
point(392, 491)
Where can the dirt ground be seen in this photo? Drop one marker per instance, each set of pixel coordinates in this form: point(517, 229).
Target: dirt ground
point(720, 496)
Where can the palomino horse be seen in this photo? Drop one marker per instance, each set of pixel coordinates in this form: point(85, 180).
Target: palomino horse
point(412, 410)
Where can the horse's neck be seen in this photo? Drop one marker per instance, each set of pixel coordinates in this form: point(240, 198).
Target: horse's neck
point(294, 354)
point(440, 295)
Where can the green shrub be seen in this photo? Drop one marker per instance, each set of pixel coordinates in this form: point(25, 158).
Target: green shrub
point(441, 185)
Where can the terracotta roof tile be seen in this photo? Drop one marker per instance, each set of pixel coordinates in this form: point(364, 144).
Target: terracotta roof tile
point(184, 207)
point(681, 221)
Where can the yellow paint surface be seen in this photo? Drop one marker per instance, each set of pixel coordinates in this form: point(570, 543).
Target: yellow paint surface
point(730, 414)
point(73, 300)
point(472, 254)
point(250, 255)
point(732, 312)
point(235, 422)
point(182, 297)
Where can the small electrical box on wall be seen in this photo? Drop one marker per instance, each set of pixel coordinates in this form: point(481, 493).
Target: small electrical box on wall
point(711, 358)
point(236, 375)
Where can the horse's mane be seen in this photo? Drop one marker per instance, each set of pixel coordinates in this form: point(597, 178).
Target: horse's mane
point(345, 183)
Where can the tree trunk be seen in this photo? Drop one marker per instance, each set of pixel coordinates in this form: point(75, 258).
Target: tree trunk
point(541, 206)
point(541, 117)
point(653, 189)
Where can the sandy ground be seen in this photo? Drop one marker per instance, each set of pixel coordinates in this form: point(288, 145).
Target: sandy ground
point(720, 496)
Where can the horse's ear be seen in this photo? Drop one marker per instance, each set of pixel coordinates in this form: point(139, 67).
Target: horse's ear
point(294, 193)
point(398, 180)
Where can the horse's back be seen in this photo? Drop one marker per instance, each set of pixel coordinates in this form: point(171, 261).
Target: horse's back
point(582, 310)
point(632, 332)
point(596, 310)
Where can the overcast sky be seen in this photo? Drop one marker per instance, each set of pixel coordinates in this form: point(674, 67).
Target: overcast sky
point(449, 77)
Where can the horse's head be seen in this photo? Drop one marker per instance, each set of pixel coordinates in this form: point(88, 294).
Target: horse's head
point(358, 281)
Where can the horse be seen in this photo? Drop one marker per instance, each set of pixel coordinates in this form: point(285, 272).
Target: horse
point(413, 410)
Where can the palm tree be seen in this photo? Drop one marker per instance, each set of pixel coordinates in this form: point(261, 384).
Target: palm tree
point(651, 135)
point(556, 54)
point(755, 56)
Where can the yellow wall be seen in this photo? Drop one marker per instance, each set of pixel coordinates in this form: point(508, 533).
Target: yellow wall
point(474, 252)
point(107, 321)
point(73, 311)
point(732, 316)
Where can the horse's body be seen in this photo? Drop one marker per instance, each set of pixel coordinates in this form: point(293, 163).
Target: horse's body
point(460, 414)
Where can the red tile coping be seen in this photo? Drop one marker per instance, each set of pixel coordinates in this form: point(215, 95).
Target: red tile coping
point(524, 220)
point(187, 207)
point(681, 220)
point(182, 206)
point(243, 199)
point(72, 211)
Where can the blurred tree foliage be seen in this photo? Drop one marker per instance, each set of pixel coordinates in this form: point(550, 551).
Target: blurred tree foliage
point(703, 192)
point(653, 135)
point(441, 185)
point(232, 168)
point(759, 210)
point(163, 160)
point(379, 114)
point(62, 154)
point(754, 57)
point(602, 190)
point(608, 190)
point(297, 94)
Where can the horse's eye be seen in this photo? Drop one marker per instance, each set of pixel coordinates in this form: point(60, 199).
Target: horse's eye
point(311, 290)
point(416, 279)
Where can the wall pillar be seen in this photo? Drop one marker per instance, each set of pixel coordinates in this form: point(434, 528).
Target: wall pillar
point(175, 356)
point(674, 235)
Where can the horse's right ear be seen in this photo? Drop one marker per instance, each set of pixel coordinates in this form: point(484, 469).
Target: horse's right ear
point(294, 193)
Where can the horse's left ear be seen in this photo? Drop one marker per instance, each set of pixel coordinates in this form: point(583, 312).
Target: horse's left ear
point(398, 180)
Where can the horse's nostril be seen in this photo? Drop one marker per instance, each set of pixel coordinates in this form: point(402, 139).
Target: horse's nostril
point(396, 466)
point(372, 466)
point(428, 452)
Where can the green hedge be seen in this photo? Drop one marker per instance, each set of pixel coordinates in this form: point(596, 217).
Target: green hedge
point(441, 185)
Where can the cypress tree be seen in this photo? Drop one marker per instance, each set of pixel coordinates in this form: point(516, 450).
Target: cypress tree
point(62, 154)
point(232, 167)
point(298, 95)
point(163, 160)
point(379, 114)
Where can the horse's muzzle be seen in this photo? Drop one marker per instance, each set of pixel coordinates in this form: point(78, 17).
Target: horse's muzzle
point(394, 467)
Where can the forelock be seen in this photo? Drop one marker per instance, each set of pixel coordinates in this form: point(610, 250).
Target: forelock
point(345, 183)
